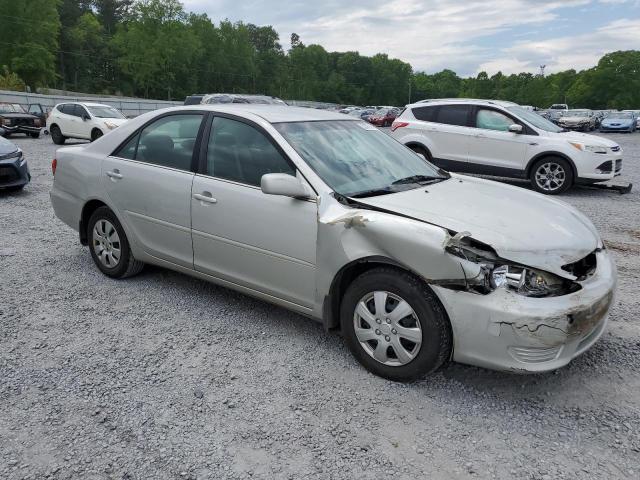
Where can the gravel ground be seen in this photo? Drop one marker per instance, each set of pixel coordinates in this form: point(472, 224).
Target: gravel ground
point(165, 376)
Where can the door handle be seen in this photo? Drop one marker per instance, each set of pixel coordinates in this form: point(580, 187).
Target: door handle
point(115, 174)
point(205, 197)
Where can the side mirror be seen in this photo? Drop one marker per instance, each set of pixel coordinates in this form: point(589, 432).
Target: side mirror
point(85, 117)
point(285, 185)
point(515, 128)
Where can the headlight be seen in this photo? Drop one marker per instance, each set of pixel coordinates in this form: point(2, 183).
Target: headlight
point(528, 282)
point(110, 125)
point(5, 121)
point(589, 148)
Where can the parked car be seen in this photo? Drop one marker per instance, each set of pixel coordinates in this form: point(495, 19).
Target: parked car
point(582, 120)
point(216, 98)
point(619, 122)
point(559, 106)
point(636, 113)
point(15, 119)
point(383, 117)
point(362, 114)
point(500, 138)
point(14, 171)
point(194, 99)
point(88, 121)
point(329, 217)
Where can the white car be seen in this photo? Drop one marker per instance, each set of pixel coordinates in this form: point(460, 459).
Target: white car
point(88, 121)
point(503, 139)
point(328, 216)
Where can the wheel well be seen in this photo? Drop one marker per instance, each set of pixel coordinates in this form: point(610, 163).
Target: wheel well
point(342, 280)
point(550, 155)
point(88, 209)
point(94, 129)
point(418, 144)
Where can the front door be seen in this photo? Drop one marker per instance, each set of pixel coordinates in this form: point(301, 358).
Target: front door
point(264, 242)
point(494, 146)
point(149, 181)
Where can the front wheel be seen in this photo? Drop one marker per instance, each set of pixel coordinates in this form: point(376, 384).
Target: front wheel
point(394, 325)
point(96, 134)
point(56, 135)
point(109, 245)
point(551, 176)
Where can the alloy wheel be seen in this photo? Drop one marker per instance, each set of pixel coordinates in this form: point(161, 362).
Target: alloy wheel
point(550, 176)
point(106, 243)
point(387, 328)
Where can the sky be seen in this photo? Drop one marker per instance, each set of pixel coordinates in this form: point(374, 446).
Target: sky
point(466, 36)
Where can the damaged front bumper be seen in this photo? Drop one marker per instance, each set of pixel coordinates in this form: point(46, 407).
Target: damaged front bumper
point(507, 331)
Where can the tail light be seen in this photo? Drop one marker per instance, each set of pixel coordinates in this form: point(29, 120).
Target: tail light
point(54, 165)
point(397, 125)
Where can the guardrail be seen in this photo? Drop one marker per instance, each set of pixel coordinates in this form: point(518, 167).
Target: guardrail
point(131, 107)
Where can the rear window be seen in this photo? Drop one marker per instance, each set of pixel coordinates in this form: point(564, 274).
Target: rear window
point(453, 115)
point(426, 114)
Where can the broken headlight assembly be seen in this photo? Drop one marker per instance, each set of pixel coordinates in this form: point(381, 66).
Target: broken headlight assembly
point(494, 274)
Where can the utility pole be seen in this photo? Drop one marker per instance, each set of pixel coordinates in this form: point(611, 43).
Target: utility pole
point(409, 89)
point(542, 67)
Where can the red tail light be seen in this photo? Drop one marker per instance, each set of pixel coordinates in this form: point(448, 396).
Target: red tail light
point(397, 125)
point(54, 165)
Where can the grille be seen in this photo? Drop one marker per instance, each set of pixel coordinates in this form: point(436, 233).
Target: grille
point(8, 174)
point(23, 122)
point(606, 167)
point(534, 354)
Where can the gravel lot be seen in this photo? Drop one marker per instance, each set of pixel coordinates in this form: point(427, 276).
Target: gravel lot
point(165, 376)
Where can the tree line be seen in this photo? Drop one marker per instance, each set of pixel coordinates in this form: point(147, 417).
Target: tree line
point(156, 49)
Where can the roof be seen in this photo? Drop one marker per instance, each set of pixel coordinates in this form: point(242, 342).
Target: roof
point(86, 104)
point(272, 113)
point(475, 101)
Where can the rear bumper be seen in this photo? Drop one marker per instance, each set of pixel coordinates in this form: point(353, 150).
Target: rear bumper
point(507, 331)
point(14, 172)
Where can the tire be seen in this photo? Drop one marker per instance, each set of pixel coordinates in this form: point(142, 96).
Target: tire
point(96, 134)
point(551, 175)
point(56, 135)
point(100, 234)
point(422, 151)
point(34, 135)
point(427, 323)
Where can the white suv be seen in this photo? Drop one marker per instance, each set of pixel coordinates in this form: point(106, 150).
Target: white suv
point(503, 139)
point(88, 121)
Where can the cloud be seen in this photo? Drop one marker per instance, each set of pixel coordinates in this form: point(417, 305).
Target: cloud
point(429, 34)
point(575, 51)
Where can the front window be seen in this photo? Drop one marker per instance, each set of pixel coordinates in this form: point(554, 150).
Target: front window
point(356, 159)
point(534, 119)
point(105, 112)
point(11, 108)
point(492, 120)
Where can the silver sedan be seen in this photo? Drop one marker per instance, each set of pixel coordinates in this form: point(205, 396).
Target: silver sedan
point(328, 216)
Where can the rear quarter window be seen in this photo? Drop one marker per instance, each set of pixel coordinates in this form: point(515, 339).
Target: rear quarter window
point(426, 114)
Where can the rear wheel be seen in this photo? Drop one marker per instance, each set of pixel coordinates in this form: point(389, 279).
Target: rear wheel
point(56, 135)
point(109, 245)
point(394, 325)
point(551, 176)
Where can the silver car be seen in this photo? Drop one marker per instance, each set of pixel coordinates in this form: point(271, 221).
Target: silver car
point(326, 215)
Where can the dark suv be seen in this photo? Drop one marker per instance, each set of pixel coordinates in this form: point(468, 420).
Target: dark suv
point(14, 119)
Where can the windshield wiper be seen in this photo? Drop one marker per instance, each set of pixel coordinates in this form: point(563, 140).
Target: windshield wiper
point(421, 179)
point(374, 192)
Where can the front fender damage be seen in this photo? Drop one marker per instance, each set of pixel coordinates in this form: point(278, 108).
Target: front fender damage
point(347, 233)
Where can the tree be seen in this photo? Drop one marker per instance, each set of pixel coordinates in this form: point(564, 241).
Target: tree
point(10, 80)
point(30, 39)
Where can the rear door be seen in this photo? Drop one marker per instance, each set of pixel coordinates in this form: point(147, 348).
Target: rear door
point(450, 134)
point(264, 242)
point(149, 178)
point(68, 120)
point(494, 149)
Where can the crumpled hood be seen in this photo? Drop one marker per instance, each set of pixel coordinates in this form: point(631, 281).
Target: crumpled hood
point(520, 225)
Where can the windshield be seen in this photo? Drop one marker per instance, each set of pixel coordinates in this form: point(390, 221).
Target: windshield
point(354, 158)
point(620, 115)
point(382, 112)
point(558, 106)
point(105, 112)
point(11, 108)
point(534, 119)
